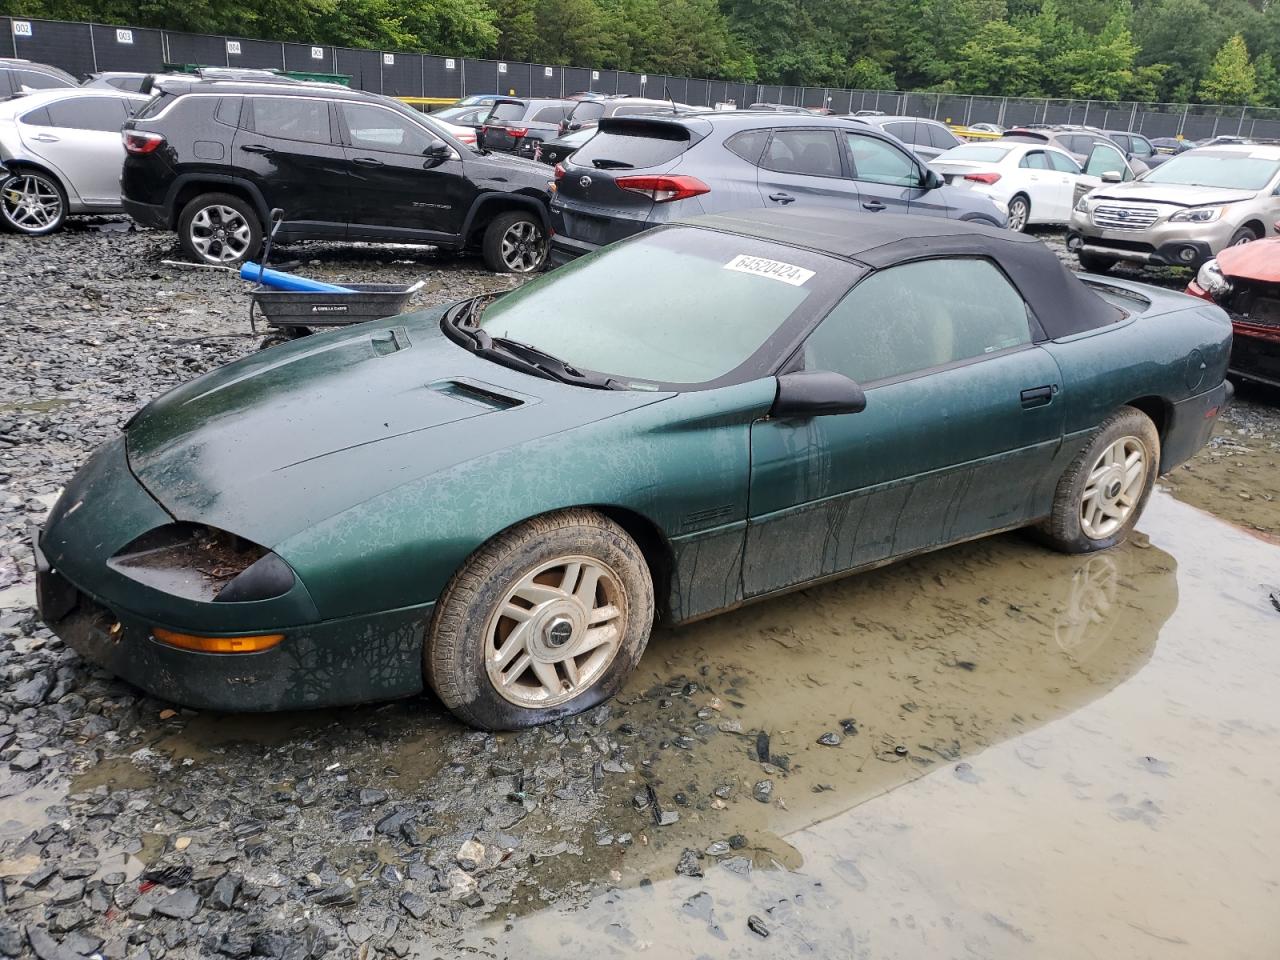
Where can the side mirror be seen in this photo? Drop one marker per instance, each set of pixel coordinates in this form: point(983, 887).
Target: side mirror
point(932, 180)
point(816, 393)
point(575, 125)
point(1111, 176)
point(438, 153)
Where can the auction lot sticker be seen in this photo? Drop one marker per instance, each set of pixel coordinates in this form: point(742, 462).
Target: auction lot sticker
point(773, 269)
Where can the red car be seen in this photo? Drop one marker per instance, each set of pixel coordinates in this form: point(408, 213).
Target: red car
point(1245, 281)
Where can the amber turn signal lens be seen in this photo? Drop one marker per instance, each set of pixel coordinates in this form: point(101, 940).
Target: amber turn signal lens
point(186, 641)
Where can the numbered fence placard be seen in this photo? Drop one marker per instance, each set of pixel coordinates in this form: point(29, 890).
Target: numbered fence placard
point(317, 53)
point(124, 36)
point(22, 28)
point(233, 48)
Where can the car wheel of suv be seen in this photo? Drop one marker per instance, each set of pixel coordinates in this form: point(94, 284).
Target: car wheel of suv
point(32, 202)
point(1090, 263)
point(1243, 235)
point(515, 243)
point(219, 228)
point(1019, 213)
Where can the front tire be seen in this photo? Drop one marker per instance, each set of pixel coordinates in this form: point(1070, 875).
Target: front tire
point(1091, 263)
point(545, 620)
point(1245, 234)
point(515, 242)
point(1103, 492)
point(1019, 213)
point(219, 228)
point(32, 202)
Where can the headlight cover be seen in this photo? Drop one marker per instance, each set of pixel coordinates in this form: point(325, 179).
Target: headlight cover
point(1197, 215)
point(1211, 280)
point(202, 563)
point(1082, 205)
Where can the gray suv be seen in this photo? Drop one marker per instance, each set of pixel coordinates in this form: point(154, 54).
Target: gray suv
point(638, 172)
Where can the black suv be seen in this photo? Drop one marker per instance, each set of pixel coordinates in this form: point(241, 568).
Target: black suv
point(210, 159)
point(18, 77)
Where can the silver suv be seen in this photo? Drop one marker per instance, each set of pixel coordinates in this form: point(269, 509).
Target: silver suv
point(1182, 212)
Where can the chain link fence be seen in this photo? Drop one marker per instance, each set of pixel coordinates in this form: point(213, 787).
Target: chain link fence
point(83, 48)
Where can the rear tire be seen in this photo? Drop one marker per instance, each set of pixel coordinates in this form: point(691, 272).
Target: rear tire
point(1019, 213)
point(545, 620)
point(515, 242)
point(1091, 263)
point(1103, 492)
point(32, 202)
point(219, 228)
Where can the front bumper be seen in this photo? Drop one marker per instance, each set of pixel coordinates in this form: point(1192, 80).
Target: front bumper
point(147, 214)
point(1161, 244)
point(326, 664)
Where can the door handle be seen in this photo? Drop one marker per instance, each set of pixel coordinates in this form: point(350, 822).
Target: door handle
point(1038, 396)
point(46, 138)
point(782, 197)
point(367, 162)
point(256, 148)
point(875, 206)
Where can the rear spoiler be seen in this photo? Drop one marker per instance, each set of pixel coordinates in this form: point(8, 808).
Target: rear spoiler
point(660, 126)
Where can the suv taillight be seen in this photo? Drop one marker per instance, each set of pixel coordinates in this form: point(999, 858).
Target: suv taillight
point(141, 141)
point(663, 189)
point(559, 171)
point(517, 132)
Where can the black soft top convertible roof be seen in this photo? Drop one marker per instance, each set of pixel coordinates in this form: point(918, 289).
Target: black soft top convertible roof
point(1063, 305)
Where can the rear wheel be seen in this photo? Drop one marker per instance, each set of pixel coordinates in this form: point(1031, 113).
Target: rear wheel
point(515, 242)
point(1102, 493)
point(545, 620)
point(219, 228)
point(32, 202)
point(1092, 263)
point(1019, 213)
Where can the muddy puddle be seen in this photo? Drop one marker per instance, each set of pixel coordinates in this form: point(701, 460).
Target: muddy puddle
point(1053, 756)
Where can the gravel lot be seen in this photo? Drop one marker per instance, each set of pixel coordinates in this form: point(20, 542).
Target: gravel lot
point(132, 828)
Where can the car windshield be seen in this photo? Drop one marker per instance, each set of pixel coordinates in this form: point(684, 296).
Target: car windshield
point(678, 306)
point(1240, 171)
point(508, 111)
point(981, 153)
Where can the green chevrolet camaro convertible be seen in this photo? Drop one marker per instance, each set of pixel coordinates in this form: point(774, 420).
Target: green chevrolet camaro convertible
point(498, 498)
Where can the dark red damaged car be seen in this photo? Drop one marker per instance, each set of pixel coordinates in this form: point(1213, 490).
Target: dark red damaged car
point(1245, 281)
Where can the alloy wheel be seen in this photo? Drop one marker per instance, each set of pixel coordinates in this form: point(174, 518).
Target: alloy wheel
point(522, 247)
point(555, 632)
point(1113, 488)
point(31, 202)
point(220, 234)
point(1018, 216)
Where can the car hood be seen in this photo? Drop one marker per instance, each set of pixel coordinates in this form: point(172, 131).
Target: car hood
point(1259, 260)
point(1171, 193)
point(278, 441)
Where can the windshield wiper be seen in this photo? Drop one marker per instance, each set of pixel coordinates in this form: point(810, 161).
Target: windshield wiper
point(604, 163)
point(519, 356)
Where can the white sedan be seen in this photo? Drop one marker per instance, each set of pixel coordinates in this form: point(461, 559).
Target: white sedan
point(1038, 182)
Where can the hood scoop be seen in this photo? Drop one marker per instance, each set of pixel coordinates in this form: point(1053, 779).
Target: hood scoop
point(477, 393)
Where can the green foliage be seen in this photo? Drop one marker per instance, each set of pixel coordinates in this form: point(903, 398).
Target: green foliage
point(1231, 77)
point(1168, 50)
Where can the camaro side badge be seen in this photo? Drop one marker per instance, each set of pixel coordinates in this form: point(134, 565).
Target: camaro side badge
point(773, 269)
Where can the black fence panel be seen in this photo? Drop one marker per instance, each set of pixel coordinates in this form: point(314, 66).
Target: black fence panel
point(441, 77)
point(65, 45)
point(402, 77)
point(953, 109)
point(984, 110)
point(604, 81)
point(841, 101)
point(6, 37)
point(793, 96)
point(628, 83)
point(696, 93)
point(127, 48)
point(917, 104)
point(1019, 112)
point(364, 67)
point(1149, 123)
point(259, 54)
point(1199, 127)
point(544, 80)
point(1055, 113)
point(196, 48)
point(516, 81)
point(743, 94)
point(765, 93)
point(575, 79)
point(481, 76)
point(1262, 127)
point(302, 56)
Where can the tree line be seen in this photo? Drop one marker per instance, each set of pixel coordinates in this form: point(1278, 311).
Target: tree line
point(1209, 51)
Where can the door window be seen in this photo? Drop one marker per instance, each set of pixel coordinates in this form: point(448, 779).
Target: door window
point(1062, 163)
point(106, 114)
point(373, 128)
point(917, 316)
point(813, 153)
point(291, 118)
point(1107, 159)
point(1139, 146)
point(549, 115)
point(940, 136)
point(28, 80)
point(878, 161)
point(1035, 160)
point(906, 132)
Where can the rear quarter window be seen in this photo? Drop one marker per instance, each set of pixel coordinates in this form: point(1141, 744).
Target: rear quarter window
point(646, 146)
point(549, 115)
point(155, 105)
point(748, 144)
